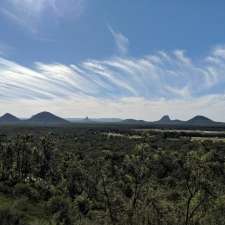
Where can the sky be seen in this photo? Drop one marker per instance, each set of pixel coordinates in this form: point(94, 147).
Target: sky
point(137, 59)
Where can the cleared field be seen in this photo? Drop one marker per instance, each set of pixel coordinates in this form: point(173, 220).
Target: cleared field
point(180, 131)
point(213, 139)
point(111, 134)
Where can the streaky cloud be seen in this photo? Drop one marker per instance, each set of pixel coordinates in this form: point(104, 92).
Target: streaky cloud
point(121, 41)
point(31, 14)
point(160, 81)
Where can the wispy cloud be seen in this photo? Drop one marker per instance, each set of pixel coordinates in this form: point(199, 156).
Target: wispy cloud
point(121, 41)
point(31, 13)
point(146, 87)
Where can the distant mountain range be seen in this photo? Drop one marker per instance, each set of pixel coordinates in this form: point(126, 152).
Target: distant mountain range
point(49, 119)
point(9, 119)
point(166, 121)
point(195, 121)
point(44, 118)
point(98, 120)
point(40, 119)
point(201, 120)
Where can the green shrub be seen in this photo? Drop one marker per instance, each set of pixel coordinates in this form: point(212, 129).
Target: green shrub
point(25, 190)
point(83, 205)
point(60, 209)
point(5, 189)
point(11, 217)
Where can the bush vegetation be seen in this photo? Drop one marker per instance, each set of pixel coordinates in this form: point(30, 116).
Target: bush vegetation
point(84, 176)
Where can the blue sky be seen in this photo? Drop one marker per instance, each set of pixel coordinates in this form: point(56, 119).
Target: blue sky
point(139, 59)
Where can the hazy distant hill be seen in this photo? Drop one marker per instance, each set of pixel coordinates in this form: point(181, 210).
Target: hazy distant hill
point(9, 119)
point(133, 121)
point(195, 121)
point(81, 120)
point(97, 120)
point(46, 118)
point(201, 120)
point(108, 120)
point(166, 120)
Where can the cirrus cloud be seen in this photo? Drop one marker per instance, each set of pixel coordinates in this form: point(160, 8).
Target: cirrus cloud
point(31, 13)
point(144, 88)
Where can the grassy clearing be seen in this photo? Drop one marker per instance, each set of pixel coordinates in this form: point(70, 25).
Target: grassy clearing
point(180, 130)
point(213, 139)
point(110, 134)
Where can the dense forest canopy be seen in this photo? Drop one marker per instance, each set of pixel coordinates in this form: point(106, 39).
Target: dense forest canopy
point(111, 176)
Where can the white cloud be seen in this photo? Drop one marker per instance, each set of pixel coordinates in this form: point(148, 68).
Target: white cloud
point(144, 88)
point(31, 13)
point(122, 42)
point(180, 54)
point(219, 52)
point(182, 92)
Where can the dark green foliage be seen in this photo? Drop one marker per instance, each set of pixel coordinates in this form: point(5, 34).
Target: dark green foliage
point(71, 176)
point(10, 217)
point(60, 209)
point(26, 190)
